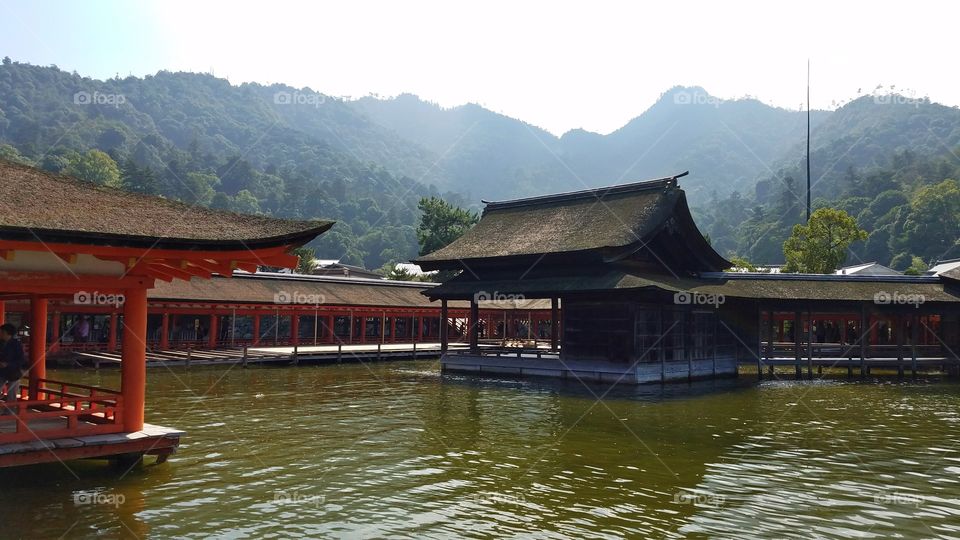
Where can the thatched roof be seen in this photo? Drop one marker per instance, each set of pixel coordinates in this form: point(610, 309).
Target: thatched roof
point(603, 224)
point(778, 287)
point(39, 206)
point(263, 288)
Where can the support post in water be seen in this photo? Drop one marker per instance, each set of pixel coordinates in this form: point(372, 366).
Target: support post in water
point(810, 345)
point(759, 342)
point(797, 328)
point(864, 339)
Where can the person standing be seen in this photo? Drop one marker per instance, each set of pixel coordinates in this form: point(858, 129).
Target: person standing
point(11, 360)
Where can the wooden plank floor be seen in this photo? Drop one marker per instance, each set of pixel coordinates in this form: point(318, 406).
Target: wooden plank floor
point(38, 426)
point(282, 354)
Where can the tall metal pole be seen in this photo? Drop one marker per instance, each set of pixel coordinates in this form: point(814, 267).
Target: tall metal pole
point(808, 139)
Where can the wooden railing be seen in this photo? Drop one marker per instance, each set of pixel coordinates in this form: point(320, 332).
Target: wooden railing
point(837, 350)
point(61, 410)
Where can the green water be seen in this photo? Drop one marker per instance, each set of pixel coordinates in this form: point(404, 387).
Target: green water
point(396, 450)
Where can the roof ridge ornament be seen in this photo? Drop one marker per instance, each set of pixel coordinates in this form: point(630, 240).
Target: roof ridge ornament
point(671, 183)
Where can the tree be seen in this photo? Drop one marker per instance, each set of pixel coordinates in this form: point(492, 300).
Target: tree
point(137, 179)
point(742, 264)
point(441, 223)
point(95, 166)
point(917, 267)
point(396, 272)
point(820, 246)
point(246, 203)
point(10, 153)
point(198, 188)
point(932, 227)
point(305, 258)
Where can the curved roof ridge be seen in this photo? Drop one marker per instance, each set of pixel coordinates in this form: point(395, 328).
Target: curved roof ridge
point(597, 193)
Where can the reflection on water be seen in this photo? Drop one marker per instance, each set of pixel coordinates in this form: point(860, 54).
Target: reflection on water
point(394, 450)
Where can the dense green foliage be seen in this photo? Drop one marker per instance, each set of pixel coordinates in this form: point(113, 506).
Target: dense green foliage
point(198, 139)
point(910, 208)
point(820, 245)
point(441, 223)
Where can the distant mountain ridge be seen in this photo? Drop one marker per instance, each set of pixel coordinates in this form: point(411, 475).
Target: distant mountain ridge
point(725, 144)
point(300, 153)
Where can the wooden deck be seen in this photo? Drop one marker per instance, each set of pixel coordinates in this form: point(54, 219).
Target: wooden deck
point(268, 355)
point(153, 440)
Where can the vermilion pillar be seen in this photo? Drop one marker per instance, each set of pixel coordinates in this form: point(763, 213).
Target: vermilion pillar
point(112, 336)
point(38, 343)
point(256, 329)
point(3, 311)
point(554, 323)
point(214, 331)
point(133, 368)
point(164, 331)
point(55, 332)
point(295, 329)
point(331, 335)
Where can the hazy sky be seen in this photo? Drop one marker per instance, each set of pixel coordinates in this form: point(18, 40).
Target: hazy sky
point(557, 65)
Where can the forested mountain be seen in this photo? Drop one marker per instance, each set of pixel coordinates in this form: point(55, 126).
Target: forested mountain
point(249, 148)
point(884, 159)
point(299, 153)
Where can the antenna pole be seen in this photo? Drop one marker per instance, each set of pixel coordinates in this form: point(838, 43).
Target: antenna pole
point(808, 139)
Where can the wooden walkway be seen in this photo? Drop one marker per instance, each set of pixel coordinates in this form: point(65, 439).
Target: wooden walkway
point(863, 367)
point(157, 440)
point(269, 355)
